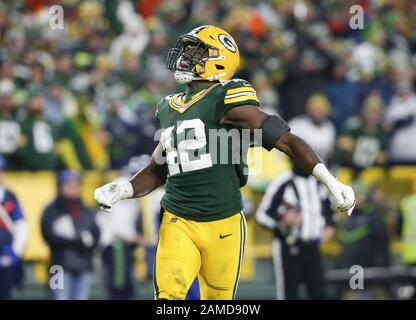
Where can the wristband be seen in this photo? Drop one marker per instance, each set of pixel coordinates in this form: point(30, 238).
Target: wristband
point(126, 190)
point(321, 173)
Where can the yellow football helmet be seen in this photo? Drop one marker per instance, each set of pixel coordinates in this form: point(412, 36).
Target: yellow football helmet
point(205, 53)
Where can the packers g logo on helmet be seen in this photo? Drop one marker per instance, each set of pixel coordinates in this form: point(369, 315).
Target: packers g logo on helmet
point(227, 42)
point(205, 53)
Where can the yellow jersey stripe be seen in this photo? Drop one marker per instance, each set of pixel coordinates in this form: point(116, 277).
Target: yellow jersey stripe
point(242, 98)
point(247, 93)
point(241, 89)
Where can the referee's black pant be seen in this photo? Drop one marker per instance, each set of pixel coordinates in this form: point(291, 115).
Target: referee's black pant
point(297, 264)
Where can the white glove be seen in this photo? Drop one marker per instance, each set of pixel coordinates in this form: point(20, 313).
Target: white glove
point(344, 195)
point(110, 193)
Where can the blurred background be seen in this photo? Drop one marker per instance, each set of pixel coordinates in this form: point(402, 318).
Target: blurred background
point(83, 98)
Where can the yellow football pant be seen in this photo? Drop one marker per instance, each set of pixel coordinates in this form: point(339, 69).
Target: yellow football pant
point(213, 251)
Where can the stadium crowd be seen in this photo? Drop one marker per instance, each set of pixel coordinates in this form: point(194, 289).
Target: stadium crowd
point(83, 97)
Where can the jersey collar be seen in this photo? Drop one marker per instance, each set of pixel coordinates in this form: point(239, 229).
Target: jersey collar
point(178, 101)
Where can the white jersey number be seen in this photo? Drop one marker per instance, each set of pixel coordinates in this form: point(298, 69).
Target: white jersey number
point(187, 148)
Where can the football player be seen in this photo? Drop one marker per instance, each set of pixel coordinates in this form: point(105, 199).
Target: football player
point(203, 229)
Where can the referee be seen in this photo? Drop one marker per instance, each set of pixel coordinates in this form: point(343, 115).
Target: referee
point(297, 208)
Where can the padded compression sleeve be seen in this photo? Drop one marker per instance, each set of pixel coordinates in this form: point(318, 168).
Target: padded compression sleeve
point(273, 127)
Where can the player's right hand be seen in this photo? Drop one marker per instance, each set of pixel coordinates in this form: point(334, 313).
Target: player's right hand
point(110, 193)
point(344, 196)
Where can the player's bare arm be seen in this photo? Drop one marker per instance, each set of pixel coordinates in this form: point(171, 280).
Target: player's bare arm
point(143, 182)
point(151, 177)
point(247, 117)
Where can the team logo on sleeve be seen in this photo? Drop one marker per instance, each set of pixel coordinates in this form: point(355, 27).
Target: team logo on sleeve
point(227, 42)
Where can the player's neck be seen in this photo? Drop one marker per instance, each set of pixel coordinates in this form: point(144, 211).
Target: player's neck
point(196, 85)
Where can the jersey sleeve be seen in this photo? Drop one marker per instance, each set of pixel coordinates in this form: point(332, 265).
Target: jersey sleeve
point(236, 93)
point(239, 92)
point(158, 107)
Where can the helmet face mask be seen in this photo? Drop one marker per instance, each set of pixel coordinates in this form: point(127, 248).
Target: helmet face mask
point(187, 48)
point(206, 53)
point(189, 53)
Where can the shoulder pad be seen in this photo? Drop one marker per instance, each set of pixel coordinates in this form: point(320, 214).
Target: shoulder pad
point(167, 98)
point(235, 83)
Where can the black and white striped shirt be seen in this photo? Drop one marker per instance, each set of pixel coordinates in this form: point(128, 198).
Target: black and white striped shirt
point(303, 192)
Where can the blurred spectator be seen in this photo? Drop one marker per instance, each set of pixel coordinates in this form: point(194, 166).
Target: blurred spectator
point(121, 232)
point(368, 57)
point(364, 239)
point(289, 51)
point(364, 235)
point(130, 73)
point(362, 143)
point(343, 95)
point(266, 93)
point(86, 53)
point(69, 229)
point(407, 229)
point(369, 64)
point(36, 81)
point(9, 126)
point(401, 124)
point(176, 17)
point(135, 36)
point(153, 59)
point(13, 237)
point(58, 103)
point(123, 139)
point(81, 143)
point(296, 207)
point(307, 68)
point(64, 70)
point(315, 127)
point(38, 138)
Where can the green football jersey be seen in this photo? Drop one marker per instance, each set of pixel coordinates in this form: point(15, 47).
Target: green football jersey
point(205, 160)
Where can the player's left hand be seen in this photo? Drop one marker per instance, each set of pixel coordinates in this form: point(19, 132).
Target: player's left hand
point(344, 196)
